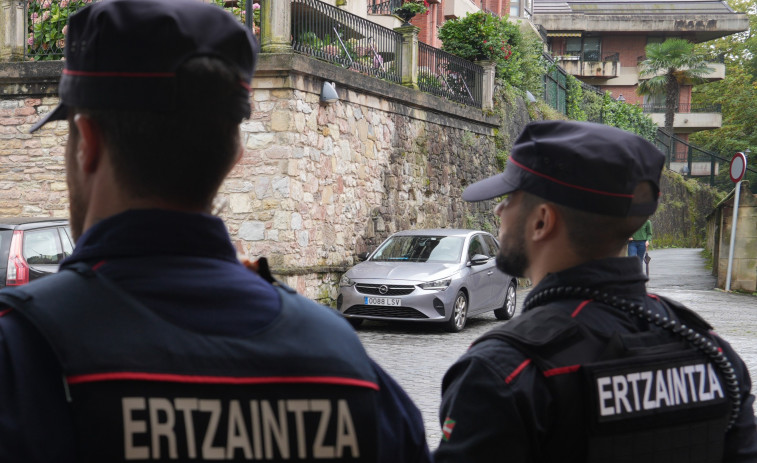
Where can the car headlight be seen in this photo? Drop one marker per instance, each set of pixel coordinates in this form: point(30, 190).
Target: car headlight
point(439, 285)
point(346, 281)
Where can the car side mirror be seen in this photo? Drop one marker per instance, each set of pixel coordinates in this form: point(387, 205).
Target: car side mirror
point(479, 259)
point(363, 256)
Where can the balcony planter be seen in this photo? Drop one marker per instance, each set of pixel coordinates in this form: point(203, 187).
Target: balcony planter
point(409, 9)
point(404, 15)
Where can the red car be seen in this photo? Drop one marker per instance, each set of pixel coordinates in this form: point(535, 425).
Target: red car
point(31, 248)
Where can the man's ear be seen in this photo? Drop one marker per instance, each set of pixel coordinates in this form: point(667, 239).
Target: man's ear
point(542, 222)
point(90, 148)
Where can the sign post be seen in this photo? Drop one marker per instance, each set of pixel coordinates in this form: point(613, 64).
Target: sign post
point(737, 171)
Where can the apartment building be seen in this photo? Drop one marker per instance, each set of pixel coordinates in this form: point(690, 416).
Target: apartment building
point(602, 42)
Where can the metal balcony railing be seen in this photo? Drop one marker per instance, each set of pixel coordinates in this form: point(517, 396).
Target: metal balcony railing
point(449, 76)
point(682, 108)
point(592, 55)
point(383, 6)
point(317, 29)
point(683, 152)
point(334, 35)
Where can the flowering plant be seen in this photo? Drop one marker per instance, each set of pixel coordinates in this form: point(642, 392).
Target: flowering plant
point(240, 11)
point(47, 27)
point(412, 7)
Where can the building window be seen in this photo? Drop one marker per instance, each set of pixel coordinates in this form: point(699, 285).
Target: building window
point(573, 46)
point(588, 48)
point(515, 8)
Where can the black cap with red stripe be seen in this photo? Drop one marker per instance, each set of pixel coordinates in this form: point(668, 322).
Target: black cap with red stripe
point(586, 166)
point(124, 54)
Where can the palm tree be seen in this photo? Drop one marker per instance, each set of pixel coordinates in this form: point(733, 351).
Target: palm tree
point(669, 65)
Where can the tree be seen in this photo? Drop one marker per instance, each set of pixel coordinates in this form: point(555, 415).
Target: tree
point(669, 65)
point(737, 95)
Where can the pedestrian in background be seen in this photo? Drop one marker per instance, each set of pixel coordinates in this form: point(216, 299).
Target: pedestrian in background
point(594, 369)
point(638, 243)
point(154, 342)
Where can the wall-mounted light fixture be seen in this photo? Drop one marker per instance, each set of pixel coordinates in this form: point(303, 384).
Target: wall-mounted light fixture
point(328, 93)
point(621, 98)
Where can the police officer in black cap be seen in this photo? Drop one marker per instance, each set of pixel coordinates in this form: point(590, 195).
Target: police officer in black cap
point(153, 342)
point(594, 369)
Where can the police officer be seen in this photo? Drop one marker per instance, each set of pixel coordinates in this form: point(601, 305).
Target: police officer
point(153, 342)
point(594, 369)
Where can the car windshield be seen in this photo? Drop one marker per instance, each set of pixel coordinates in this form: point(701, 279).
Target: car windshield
point(420, 249)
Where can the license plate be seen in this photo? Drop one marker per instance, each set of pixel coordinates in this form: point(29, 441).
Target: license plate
point(393, 301)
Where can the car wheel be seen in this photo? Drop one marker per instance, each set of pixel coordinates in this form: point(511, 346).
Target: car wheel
point(459, 313)
point(355, 322)
point(508, 309)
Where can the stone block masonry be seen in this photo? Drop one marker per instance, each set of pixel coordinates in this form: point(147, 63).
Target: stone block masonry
point(316, 185)
point(320, 183)
point(32, 181)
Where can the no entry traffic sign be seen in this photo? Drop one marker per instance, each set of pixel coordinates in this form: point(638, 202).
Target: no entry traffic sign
point(737, 171)
point(738, 167)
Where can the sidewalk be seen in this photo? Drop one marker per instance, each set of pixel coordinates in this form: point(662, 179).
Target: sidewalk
point(681, 275)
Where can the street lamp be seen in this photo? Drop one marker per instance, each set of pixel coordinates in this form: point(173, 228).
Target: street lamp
point(621, 98)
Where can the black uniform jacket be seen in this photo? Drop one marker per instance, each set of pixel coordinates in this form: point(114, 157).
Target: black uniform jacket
point(497, 404)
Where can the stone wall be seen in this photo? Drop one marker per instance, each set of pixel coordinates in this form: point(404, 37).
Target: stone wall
point(316, 184)
point(719, 225)
point(681, 218)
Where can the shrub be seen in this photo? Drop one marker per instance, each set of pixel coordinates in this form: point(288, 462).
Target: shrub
point(48, 21)
point(484, 36)
point(47, 27)
point(628, 117)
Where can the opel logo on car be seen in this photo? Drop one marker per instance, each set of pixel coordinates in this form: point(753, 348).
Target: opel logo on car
point(383, 289)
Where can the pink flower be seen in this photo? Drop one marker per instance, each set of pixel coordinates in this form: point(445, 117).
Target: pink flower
point(45, 16)
point(35, 16)
point(46, 4)
point(65, 29)
point(256, 6)
point(30, 40)
point(63, 3)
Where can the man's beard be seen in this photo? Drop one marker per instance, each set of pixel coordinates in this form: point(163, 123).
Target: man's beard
point(512, 258)
point(77, 212)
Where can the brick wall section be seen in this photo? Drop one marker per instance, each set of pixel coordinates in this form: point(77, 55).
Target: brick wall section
point(629, 47)
point(430, 23)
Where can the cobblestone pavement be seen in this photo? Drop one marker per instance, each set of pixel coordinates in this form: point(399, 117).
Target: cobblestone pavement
point(417, 355)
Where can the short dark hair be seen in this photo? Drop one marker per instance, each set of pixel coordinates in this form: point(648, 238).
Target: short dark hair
point(180, 156)
point(596, 235)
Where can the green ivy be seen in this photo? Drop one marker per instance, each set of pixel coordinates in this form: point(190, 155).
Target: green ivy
point(628, 117)
point(575, 98)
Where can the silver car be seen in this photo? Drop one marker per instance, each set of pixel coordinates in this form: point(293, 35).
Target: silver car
point(441, 275)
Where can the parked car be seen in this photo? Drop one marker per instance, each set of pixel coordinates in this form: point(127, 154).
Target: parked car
point(440, 275)
point(31, 248)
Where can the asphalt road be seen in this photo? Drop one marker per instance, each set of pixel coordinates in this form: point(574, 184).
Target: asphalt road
point(417, 355)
